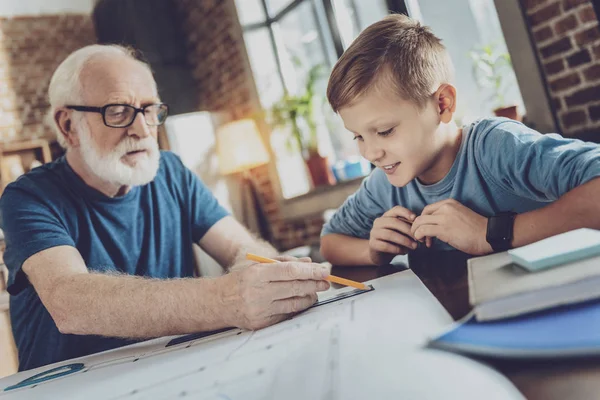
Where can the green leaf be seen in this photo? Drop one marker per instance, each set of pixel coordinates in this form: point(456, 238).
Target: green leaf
point(290, 110)
point(489, 66)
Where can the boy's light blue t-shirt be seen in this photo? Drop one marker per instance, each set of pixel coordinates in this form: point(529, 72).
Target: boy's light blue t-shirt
point(502, 165)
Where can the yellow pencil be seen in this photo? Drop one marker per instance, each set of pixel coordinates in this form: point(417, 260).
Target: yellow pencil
point(330, 278)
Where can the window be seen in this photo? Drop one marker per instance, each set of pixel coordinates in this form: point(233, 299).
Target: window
point(284, 40)
point(467, 26)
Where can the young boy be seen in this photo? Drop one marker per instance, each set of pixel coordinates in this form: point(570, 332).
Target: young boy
point(489, 186)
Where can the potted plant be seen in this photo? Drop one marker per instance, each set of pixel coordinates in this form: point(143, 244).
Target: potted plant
point(296, 111)
point(489, 69)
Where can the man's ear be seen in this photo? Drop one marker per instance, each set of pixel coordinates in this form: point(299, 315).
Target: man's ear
point(445, 97)
point(64, 121)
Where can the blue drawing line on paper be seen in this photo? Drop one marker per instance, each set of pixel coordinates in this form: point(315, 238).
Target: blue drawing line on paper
point(48, 375)
point(195, 336)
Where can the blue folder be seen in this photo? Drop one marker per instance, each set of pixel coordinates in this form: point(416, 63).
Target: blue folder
point(569, 331)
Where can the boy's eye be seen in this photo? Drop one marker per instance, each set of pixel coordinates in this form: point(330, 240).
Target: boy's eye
point(358, 137)
point(385, 133)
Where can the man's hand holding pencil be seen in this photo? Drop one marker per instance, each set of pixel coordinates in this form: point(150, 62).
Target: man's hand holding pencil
point(263, 294)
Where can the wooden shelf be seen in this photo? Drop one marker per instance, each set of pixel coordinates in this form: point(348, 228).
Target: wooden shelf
point(18, 157)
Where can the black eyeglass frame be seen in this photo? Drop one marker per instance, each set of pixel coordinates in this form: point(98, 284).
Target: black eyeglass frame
point(102, 110)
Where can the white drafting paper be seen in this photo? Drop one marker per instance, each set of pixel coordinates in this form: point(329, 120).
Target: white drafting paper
point(342, 350)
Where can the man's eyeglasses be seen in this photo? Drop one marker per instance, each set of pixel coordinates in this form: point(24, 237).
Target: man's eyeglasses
point(123, 115)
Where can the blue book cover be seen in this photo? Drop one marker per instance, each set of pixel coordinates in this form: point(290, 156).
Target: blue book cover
point(569, 331)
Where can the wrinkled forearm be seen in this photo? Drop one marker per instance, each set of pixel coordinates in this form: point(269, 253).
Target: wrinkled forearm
point(228, 242)
point(135, 307)
point(256, 246)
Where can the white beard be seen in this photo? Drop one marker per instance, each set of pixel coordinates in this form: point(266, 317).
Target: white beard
point(110, 168)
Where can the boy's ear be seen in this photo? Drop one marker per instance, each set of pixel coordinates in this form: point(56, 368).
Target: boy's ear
point(446, 99)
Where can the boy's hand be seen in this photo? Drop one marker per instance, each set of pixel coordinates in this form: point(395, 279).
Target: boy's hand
point(391, 235)
point(455, 224)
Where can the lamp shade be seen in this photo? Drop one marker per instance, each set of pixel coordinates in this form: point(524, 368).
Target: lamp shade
point(240, 147)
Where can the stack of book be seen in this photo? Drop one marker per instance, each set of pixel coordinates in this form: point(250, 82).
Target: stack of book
point(541, 300)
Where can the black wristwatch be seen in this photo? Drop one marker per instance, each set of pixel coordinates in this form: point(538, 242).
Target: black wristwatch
point(500, 231)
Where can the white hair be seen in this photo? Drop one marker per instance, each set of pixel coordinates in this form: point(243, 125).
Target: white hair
point(65, 85)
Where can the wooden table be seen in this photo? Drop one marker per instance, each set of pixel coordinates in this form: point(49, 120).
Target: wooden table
point(445, 275)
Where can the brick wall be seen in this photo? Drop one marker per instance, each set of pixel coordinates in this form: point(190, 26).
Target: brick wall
point(567, 37)
point(224, 83)
point(30, 50)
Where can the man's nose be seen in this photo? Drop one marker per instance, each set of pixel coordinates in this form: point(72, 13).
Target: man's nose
point(139, 127)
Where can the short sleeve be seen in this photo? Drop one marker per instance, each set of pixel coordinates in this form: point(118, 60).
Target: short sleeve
point(535, 166)
point(29, 226)
point(356, 216)
point(204, 208)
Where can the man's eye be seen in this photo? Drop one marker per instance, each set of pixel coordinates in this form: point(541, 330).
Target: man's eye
point(358, 137)
point(385, 133)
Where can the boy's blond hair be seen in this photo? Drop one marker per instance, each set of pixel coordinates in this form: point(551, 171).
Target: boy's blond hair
point(395, 52)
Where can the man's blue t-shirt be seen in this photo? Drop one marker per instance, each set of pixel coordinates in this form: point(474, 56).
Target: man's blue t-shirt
point(501, 165)
point(147, 232)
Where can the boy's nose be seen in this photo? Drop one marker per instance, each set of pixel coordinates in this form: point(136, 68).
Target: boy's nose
point(374, 153)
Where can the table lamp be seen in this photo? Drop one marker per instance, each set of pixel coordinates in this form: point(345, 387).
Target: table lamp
point(240, 148)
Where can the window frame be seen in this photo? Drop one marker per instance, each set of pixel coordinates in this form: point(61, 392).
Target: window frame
point(270, 20)
point(316, 200)
point(530, 81)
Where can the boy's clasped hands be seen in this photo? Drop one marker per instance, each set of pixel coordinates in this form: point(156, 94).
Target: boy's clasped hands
point(399, 229)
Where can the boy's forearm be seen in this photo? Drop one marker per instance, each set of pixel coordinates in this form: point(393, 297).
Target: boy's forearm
point(578, 208)
point(345, 250)
point(135, 307)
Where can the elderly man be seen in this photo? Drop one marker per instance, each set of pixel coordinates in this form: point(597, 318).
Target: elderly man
point(99, 242)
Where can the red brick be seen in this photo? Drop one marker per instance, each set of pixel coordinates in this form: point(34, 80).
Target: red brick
point(531, 4)
point(592, 73)
point(33, 46)
point(595, 112)
point(316, 221)
point(543, 34)
point(596, 51)
point(573, 118)
point(569, 4)
point(587, 14)
point(545, 14)
point(554, 67)
point(579, 58)
point(565, 24)
point(560, 46)
point(589, 35)
point(314, 230)
point(557, 103)
point(583, 96)
point(564, 83)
